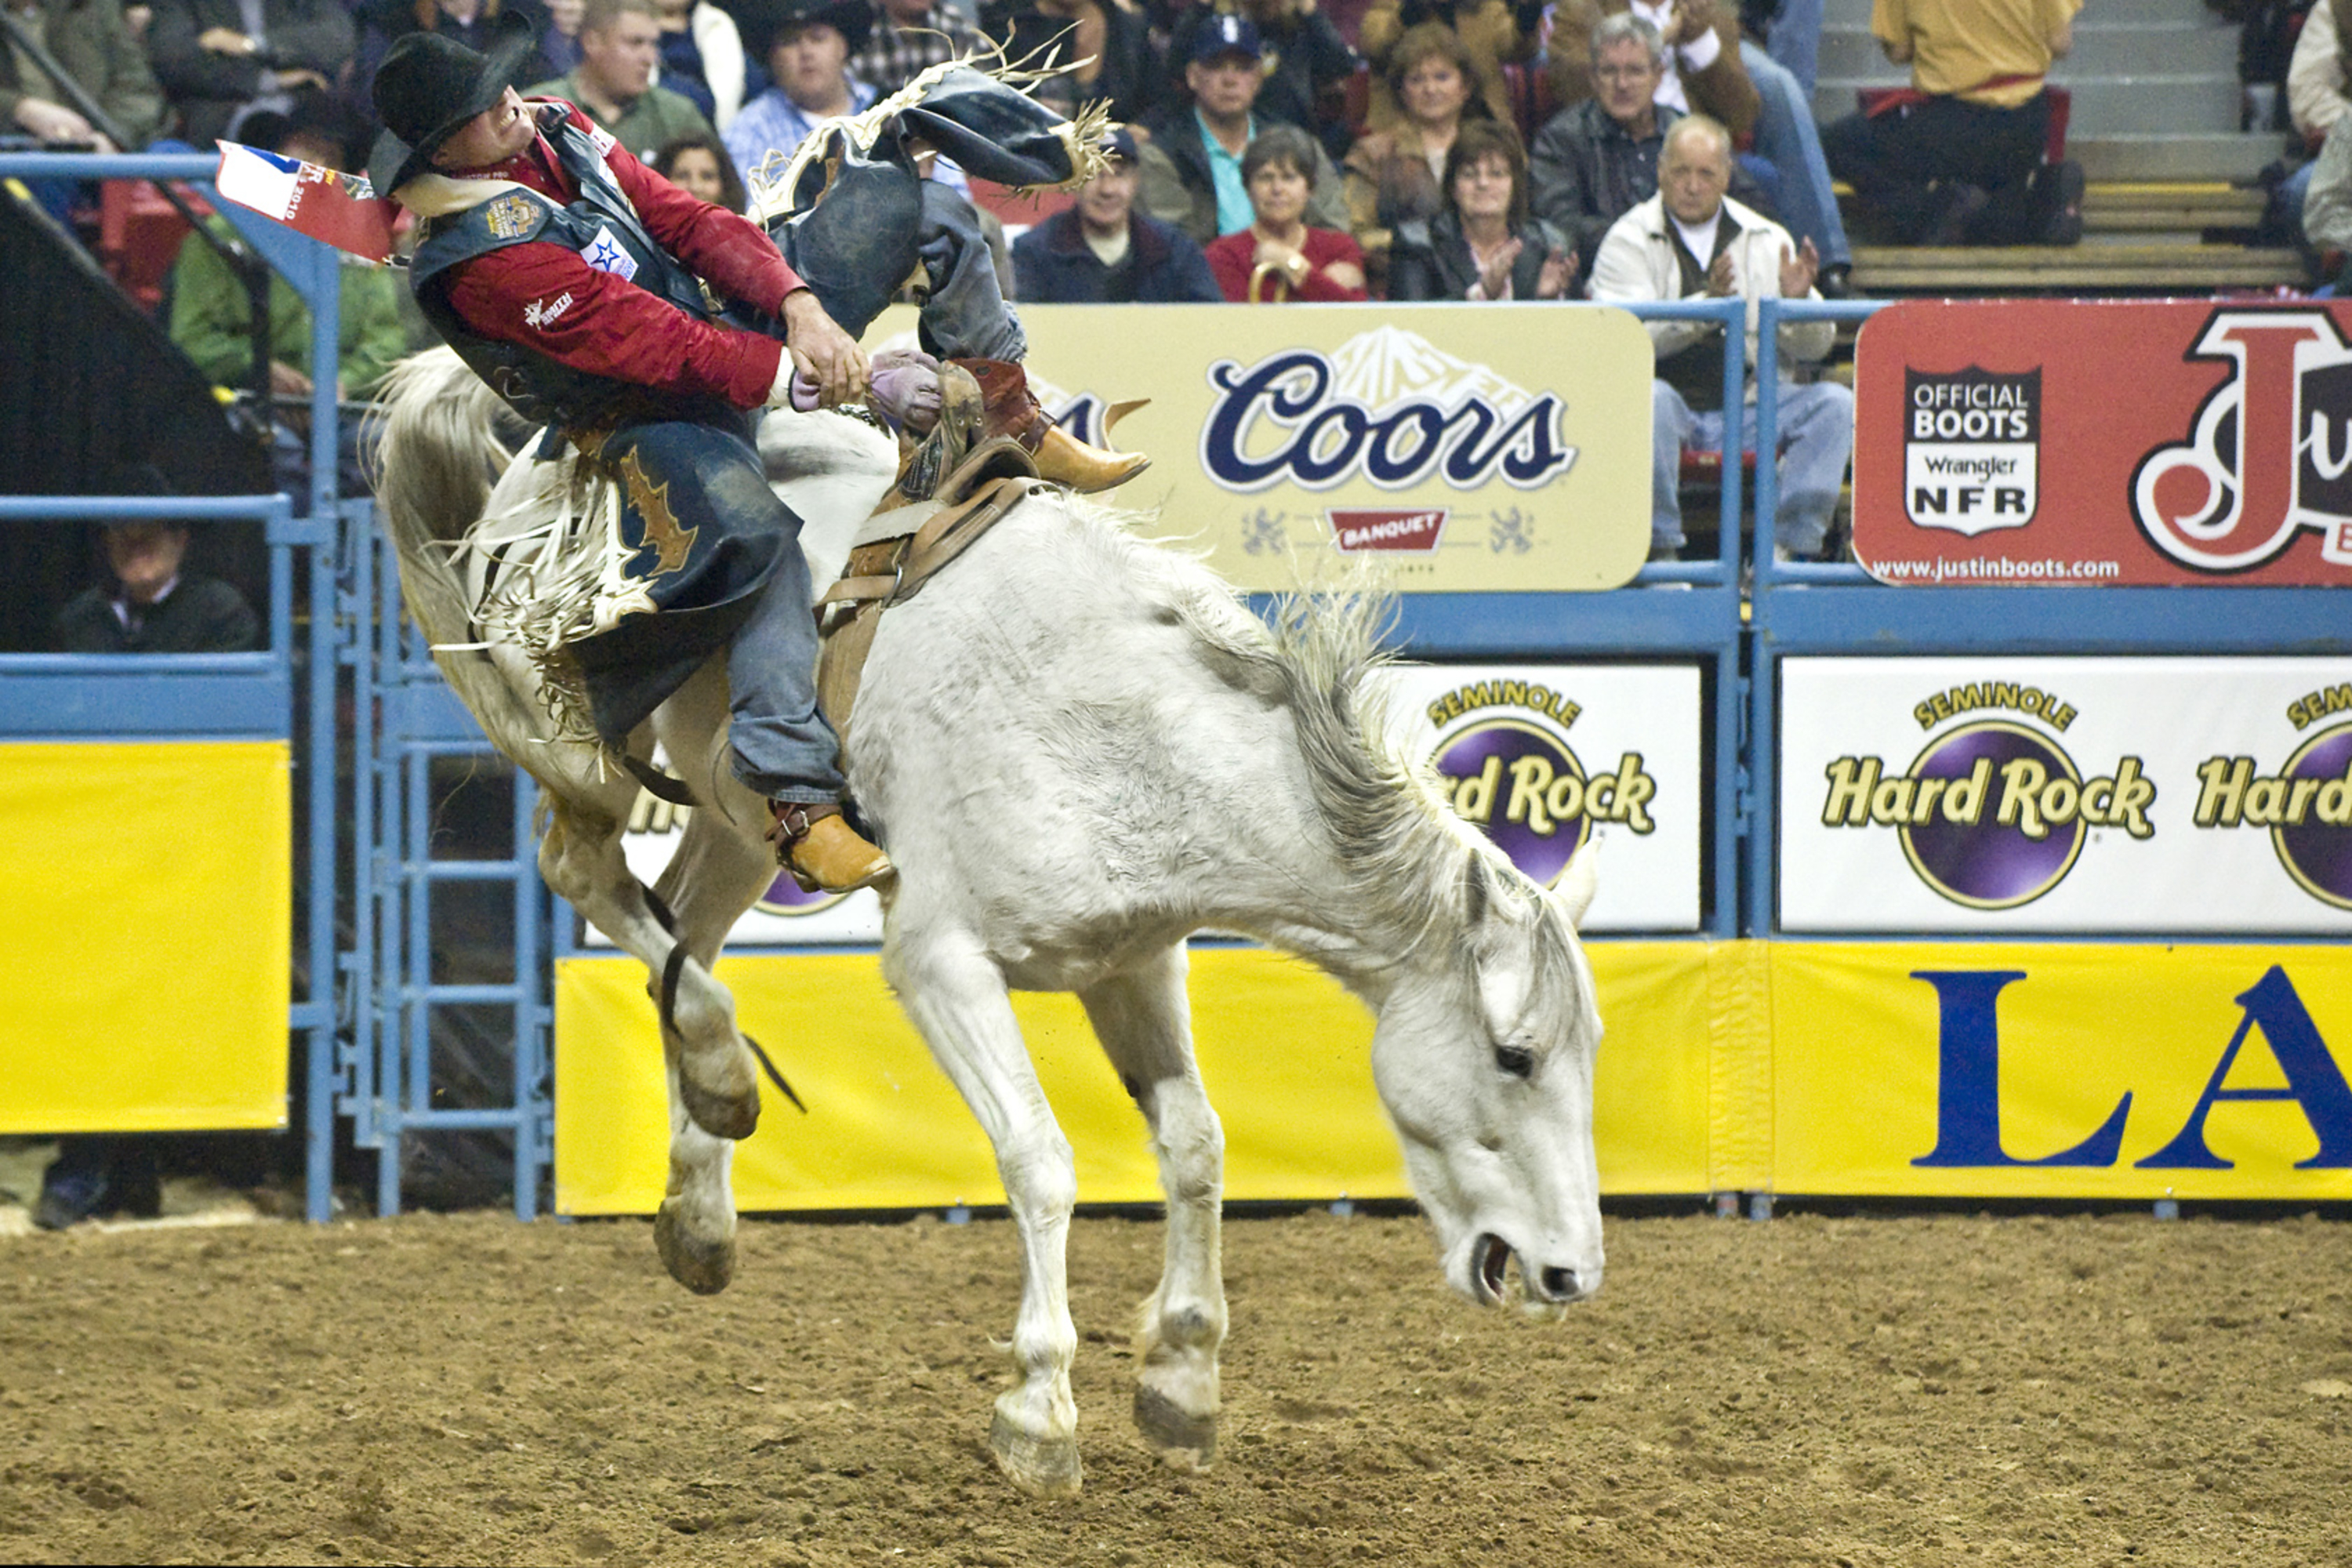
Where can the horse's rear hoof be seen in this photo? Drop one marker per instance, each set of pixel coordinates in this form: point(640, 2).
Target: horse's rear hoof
point(721, 1116)
point(702, 1266)
point(1044, 1467)
point(1183, 1442)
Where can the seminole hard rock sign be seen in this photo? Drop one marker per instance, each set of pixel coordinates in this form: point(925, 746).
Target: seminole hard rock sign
point(1494, 447)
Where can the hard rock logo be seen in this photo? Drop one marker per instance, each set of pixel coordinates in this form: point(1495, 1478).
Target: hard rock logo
point(1388, 406)
point(1971, 449)
point(2272, 451)
point(1993, 813)
point(2306, 803)
point(1517, 780)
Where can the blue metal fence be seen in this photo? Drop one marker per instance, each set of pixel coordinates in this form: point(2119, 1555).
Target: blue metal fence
point(1808, 608)
point(218, 695)
point(409, 719)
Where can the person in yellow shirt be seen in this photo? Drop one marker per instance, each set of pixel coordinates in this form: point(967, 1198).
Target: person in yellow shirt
point(1958, 159)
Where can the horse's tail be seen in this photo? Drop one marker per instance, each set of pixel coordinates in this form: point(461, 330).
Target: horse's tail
point(439, 457)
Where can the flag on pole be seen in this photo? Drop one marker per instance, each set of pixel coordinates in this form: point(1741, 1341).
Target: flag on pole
point(341, 209)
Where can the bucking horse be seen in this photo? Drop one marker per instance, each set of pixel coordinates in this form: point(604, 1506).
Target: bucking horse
point(1080, 748)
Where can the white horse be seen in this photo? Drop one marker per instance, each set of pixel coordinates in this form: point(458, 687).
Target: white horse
point(1080, 749)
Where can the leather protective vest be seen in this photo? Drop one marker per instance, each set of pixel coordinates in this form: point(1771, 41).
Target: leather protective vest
point(603, 226)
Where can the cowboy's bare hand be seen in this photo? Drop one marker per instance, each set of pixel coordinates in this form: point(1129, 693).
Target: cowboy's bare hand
point(823, 351)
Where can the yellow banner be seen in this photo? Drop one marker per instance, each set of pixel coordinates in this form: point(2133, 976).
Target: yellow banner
point(1285, 1052)
point(147, 916)
point(2078, 1070)
point(1469, 447)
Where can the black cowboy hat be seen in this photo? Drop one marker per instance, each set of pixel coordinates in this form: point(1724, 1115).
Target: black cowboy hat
point(428, 88)
point(766, 22)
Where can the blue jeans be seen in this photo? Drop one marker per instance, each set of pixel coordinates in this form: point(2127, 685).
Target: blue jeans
point(862, 238)
point(1787, 137)
point(721, 558)
point(1796, 44)
point(1816, 438)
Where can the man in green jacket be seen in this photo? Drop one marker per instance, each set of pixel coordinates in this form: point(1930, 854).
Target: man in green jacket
point(89, 40)
point(212, 318)
point(620, 42)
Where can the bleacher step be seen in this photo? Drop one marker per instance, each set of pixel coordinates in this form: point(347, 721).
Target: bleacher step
point(2107, 268)
point(2203, 156)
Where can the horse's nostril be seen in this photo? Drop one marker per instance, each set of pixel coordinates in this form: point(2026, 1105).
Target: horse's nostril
point(1560, 1284)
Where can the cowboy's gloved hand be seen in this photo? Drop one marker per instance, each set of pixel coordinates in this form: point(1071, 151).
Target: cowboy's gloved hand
point(795, 389)
point(818, 347)
point(906, 389)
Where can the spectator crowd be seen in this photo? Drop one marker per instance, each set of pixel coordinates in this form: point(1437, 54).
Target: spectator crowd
point(1265, 150)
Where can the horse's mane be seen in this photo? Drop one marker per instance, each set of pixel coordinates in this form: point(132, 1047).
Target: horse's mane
point(1420, 875)
point(1320, 656)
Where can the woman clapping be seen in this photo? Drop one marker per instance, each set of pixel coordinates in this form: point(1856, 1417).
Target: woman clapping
point(1482, 246)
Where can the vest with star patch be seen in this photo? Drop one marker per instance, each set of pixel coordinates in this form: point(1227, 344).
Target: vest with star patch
point(603, 226)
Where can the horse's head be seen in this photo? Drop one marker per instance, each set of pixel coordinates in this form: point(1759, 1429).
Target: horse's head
point(1484, 1057)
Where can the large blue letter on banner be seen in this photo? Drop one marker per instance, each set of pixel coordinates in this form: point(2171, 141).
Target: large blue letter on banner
point(2312, 1081)
point(1968, 1100)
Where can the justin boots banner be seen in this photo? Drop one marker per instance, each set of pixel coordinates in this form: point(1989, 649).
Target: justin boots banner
point(2066, 794)
point(2079, 444)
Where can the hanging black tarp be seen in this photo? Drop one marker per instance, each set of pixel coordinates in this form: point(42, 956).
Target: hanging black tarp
point(87, 382)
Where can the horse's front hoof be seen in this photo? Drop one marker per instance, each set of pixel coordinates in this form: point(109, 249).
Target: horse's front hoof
point(702, 1266)
point(1042, 1467)
point(732, 1116)
point(1183, 1441)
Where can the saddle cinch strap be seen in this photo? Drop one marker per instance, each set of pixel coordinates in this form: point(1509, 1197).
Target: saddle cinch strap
point(892, 569)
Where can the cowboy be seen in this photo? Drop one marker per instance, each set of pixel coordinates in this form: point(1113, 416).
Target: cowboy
point(571, 279)
point(585, 289)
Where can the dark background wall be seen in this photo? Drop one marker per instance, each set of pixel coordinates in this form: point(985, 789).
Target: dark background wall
point(88, 380)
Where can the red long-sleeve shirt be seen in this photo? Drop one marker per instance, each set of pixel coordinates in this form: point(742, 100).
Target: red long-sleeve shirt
point(611, 327)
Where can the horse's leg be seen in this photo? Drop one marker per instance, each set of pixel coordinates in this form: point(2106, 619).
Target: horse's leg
point(1144, 1022)
point(580, 858)
point(720, 865)
point(956, 996)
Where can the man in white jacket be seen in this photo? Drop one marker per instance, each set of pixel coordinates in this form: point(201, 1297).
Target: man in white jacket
point(1691, 239)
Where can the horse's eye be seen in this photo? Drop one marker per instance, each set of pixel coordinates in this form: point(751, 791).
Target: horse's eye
point(1516, 1060)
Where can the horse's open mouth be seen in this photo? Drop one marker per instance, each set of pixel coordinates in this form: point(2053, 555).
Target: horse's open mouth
point(1490, 1255)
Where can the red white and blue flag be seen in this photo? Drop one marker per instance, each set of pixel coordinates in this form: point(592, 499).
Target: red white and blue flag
point(342, 210)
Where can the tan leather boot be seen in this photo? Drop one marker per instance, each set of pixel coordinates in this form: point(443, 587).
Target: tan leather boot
point(822, 852)
point(1062, 458)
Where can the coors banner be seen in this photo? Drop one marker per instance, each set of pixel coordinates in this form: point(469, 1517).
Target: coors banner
point(1500, 448)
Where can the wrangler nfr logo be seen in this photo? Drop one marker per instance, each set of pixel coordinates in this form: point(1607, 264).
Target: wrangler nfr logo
point(1971, 449)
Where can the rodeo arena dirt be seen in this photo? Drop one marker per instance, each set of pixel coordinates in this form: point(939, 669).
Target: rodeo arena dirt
point(1922, 1390)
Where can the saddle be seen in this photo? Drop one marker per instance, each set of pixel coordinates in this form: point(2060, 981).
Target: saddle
point(965, 487)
